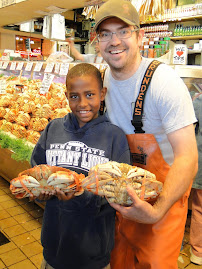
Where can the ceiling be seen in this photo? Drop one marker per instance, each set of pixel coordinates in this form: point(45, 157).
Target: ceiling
point(27, 10)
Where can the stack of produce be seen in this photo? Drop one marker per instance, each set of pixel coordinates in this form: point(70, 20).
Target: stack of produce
point(27, 113)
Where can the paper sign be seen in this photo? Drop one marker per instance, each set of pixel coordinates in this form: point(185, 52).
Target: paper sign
point(38, 67)
point(5, 3)
point(29, 66)
point(2, 87)
point(20, 66)
point(1, 64)
point(64, 68)
point(47, 80)
point(13, 66)
point(180, 54)
point(49, 67)
point(5, 65)
point(57, 68)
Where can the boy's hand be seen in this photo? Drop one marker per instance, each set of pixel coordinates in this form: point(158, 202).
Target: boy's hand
point(64, 196)
point(43, 196)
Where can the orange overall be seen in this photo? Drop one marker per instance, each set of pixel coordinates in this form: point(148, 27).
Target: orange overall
point(150, 246)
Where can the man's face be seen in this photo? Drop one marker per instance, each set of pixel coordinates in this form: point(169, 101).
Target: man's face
point(120, 54)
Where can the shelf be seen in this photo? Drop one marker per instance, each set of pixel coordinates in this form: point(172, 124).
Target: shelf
point(191, 18)
point(190, 37)
point(194, 51)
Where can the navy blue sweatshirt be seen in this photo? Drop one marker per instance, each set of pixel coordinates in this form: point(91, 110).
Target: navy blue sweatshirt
point(79, 233)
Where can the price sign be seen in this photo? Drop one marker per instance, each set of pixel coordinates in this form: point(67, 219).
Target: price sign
point(38, 67)
point(47, 80)
point(64, 68)
point(5, 3)
point(1, 64)
point(29, 66)
point(13, 66)
point(2, 87)
point(49, 67)
point(5, 65)
point(57, 68)
point(20, 66)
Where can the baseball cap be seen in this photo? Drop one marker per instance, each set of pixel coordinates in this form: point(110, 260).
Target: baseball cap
point(121, 9)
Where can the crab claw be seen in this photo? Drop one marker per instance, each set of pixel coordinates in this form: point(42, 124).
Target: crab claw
point(60, 177)
point(139, 173)
point(28, 181)
point(110, 167)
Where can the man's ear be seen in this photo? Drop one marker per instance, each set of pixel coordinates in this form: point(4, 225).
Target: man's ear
point(103, 93)
point(140, 36)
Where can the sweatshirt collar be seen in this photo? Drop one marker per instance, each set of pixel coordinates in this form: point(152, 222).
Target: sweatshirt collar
point(71, 124)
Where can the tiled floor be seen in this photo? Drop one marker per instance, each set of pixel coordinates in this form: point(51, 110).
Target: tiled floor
point(20, 222)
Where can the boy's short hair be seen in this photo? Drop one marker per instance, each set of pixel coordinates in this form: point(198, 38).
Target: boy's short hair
point(84, 69)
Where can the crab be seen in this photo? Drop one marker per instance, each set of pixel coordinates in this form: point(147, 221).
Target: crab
point(44, 177)
point(111, 179)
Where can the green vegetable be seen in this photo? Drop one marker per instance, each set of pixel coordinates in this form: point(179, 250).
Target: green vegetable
point(21, 150)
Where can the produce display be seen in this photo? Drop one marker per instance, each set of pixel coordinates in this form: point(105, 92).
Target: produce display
point(26, 113)
point(109, 180)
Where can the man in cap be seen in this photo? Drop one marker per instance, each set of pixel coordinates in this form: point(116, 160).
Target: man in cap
point(152, 105)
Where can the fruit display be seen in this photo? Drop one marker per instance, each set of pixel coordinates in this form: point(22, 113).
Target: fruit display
point(26, 113)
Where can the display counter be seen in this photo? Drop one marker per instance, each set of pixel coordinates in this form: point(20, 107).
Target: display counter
point(10, 168)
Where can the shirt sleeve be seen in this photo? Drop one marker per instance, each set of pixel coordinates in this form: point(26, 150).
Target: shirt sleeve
point(173, 101)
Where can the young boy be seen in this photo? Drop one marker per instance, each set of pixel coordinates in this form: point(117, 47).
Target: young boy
point(79, 233)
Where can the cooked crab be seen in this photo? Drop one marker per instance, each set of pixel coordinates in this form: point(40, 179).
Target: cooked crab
point(111, 179)
point(45, 177)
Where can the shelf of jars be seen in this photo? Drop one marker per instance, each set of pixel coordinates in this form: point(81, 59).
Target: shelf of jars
point(170, 20)
point(186, 37)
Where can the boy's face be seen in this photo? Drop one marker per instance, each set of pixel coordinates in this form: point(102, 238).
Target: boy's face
point(85, 95)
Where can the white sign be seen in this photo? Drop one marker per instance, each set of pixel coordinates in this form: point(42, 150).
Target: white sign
point(20, 66)
point(5, 65)
point(38, 67)
point(5, 3)
point(13, 66)
point(64, 68)
point(1, 64)
point(47, 80)
point(49, 67)
point(180, 54)
point(29, 66)
point(57, 68)
point(2, 87)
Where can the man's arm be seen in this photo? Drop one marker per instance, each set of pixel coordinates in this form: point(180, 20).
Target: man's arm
point(180, 176)
point(77, 55)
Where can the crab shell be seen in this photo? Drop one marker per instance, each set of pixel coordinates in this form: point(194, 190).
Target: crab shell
point(45, 178)
point(111, 180)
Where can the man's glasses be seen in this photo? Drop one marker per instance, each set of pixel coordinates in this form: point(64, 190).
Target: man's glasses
point(121, 34)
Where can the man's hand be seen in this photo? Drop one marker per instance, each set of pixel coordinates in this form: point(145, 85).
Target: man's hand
point(140, 211)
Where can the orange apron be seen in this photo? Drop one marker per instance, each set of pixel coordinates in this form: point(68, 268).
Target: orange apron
point(149, 246)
